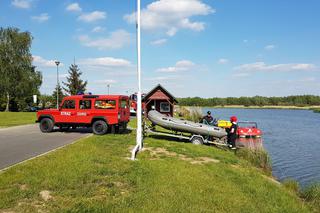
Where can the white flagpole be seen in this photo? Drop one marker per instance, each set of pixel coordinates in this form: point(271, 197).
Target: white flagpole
point(139, 104)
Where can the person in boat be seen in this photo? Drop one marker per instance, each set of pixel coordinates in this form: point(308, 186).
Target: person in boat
point(209, 120)
point(232, 132)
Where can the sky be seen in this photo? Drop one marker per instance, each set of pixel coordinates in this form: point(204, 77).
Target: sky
point(203, 48)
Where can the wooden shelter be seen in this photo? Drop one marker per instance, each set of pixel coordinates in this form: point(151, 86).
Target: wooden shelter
point(160, 99)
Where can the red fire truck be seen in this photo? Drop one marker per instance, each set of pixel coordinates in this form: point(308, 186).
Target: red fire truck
point(133, 103)
point(101, 112)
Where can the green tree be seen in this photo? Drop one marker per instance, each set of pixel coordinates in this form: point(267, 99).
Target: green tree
point(61, 95)
point(19, 79)
point(297, 100)
point(47, 101)
point(74, 83)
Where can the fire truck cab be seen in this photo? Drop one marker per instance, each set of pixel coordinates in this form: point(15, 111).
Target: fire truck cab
point(101, 112)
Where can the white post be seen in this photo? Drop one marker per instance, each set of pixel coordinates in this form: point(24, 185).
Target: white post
point(139, 104)
point(58, 85)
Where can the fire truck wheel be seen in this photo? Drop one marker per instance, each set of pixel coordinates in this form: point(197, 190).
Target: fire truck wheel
point(46, 125)
point(100, 127)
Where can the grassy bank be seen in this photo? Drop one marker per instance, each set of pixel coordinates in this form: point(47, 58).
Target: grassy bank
point(8, 119)
point(95, 175)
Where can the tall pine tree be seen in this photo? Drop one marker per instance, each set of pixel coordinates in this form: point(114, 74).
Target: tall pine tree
point(74, 84)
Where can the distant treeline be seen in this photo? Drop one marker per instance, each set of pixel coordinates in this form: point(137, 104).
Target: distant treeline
point(296, 100)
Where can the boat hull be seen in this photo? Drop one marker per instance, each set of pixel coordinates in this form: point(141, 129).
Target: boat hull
point(180, 125)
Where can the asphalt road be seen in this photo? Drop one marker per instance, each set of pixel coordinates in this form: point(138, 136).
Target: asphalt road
point(23, 142)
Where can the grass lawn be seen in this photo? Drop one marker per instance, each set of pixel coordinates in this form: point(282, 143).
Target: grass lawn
point(95, 175)
point(8, 119)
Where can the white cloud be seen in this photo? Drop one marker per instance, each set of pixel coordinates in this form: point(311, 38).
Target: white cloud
point(65, 75)
point(118, 68)
point(98, 29)
point(195, 26)
point(23, 4)
point(41, 62)
point(158, 42)
point(93, 16)
point(309, 79)
point(302, 66)
point(247, 41)
point(270, 47)
point(115, 40)
point(262, 66)
point(170, 17)
point(172, 31)
point(240, 75)
point(74, 7)
point(106, 81)
point(183, 65)
point(161, 78)
point(105, 62)
point(303, 80)
point(43, 17)
point(223, 61)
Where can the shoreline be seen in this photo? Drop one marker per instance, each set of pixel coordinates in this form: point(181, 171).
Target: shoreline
point(258, 107)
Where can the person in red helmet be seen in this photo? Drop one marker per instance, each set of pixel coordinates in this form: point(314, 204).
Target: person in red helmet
point(232, 133)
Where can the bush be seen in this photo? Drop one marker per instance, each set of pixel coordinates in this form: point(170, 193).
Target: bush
point(317, 110)
point(258, 158)
point(182, 112)
point(190, 113)
point(195, 114)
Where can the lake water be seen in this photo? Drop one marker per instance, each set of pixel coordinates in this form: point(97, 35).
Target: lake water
point(291, 138)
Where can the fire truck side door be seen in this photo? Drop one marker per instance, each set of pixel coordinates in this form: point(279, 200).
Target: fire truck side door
point(84, 114)
point(67, 113)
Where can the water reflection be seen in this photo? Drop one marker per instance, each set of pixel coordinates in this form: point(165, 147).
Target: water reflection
point(250, 143)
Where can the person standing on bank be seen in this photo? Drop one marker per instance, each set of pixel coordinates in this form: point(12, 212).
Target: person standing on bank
point(232, 133)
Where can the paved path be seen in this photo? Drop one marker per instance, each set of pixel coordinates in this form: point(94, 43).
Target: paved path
point(23, 142)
